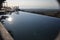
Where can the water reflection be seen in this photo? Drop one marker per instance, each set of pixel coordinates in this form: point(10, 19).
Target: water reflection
point(9, 19)
point(2, 18)
point(5, 16)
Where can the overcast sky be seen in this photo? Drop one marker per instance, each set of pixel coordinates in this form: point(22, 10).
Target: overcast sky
point(50, 4)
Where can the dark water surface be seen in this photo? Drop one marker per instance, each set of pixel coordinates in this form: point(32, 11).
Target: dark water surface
point(28, 26)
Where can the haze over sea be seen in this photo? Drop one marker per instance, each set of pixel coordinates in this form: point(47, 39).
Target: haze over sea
point(34, 4)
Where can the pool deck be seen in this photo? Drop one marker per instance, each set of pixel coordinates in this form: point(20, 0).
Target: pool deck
point(4, 33)
point(58, 37)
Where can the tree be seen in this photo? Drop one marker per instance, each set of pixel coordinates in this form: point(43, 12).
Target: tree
point(1, 1)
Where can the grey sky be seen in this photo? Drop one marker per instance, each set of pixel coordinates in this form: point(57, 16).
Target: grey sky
point(50, 4)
